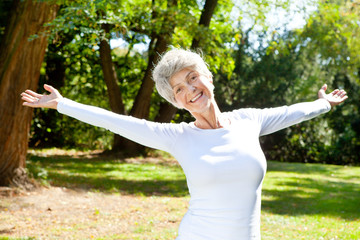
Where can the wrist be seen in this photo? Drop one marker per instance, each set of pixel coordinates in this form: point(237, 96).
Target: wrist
point(55, 103)
point(327, 102)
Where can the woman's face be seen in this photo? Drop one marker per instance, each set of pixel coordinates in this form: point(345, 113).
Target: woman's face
point(192, 91)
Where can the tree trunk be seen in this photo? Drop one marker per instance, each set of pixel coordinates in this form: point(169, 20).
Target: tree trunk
point(55, 63)
point(167, 111)
point(111, 80)
point(141, 106)
point(205, 20)
point(20, 63)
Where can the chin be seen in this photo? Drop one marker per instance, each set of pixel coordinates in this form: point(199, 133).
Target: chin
point(200, 109)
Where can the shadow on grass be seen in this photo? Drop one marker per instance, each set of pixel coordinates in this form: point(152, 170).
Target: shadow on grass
point(110, 175)
point(305, 189)
point(321, 195)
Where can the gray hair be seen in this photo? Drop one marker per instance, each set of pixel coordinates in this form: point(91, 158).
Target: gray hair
point(173, 62)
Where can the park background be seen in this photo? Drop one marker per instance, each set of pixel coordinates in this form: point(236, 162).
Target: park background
point(261, 53)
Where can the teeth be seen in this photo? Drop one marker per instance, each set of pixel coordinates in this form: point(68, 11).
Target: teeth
point(196, 97)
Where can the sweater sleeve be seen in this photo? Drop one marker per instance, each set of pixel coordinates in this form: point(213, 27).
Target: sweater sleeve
point(155, 135)
point(274, 119)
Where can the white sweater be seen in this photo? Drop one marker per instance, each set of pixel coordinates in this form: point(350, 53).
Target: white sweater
point(224, 167)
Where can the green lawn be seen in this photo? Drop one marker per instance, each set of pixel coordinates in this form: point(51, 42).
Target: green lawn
point(311, 201)
point(299, 201)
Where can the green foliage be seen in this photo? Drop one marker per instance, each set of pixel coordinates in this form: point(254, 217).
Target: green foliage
point(334, 32)
point(326, 41)
point(134, 22)
point(290, 68)
point(285, 68)
point(76, 33)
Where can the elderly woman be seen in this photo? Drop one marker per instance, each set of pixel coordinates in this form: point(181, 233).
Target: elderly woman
point(219, 152)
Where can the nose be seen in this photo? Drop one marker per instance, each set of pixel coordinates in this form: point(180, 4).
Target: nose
point(191, 88)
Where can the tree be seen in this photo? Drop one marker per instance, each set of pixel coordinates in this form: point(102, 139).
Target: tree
point(97, 22)
point(20, 63)
point(333, 35)
point(160, 39)
point(167, 111)
point(100, 21)
point(111, 80)
point(290, 68)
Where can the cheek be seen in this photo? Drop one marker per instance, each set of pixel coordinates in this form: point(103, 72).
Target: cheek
point(179, 101)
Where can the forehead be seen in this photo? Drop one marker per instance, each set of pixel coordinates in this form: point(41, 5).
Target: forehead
point(180, 76)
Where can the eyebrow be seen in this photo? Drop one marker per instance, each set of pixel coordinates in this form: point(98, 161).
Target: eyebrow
point(186, 77)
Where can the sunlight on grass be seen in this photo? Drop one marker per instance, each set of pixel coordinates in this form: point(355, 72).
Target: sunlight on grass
point(299, 201)
point(111, 175)
point(308, 201)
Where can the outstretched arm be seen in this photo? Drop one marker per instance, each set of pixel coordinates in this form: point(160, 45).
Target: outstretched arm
point(275, 119)
point(151, 134)
point(35, 100)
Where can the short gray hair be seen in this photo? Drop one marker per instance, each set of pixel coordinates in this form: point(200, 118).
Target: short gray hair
point(173, 62)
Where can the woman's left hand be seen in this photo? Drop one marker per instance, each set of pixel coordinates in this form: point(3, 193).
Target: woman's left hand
point(334, 98)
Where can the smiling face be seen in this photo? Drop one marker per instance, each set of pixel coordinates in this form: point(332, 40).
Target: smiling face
point(192, 91)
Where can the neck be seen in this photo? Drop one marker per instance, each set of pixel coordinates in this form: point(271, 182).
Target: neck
point(209, 119)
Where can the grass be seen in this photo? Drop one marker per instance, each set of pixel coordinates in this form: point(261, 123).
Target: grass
point(111, 175)
point(311, 201)
point(299, 201)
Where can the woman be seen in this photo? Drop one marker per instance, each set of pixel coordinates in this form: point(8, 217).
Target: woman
point(219, 152)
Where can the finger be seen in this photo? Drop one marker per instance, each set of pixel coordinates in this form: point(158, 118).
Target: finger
point(341, 92)
point(343, 99)
point(27, 104)
point(28, 96)
point(324, 87)
point(49, 88)
point(32, 93)
point(335, 92)
point(29, 99)
point(321, 92)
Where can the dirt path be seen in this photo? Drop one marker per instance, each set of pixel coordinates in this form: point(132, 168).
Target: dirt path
point(60, 213)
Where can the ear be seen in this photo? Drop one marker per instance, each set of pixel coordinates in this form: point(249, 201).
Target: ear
point(210, 79)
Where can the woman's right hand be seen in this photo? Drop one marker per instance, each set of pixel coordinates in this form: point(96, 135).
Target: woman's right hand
point(35, 100)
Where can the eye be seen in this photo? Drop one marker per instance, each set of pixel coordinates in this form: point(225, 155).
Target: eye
point(178, 90)
point(193, 78)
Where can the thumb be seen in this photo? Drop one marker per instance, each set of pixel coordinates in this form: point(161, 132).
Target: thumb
point(324, 87)
point(322, 90)
point(49, 88)
point(52, 90)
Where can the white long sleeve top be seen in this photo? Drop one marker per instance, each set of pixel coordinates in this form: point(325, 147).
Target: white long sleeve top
point(224, 167)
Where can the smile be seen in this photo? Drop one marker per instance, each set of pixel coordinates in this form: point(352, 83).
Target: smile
point(196, 97)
